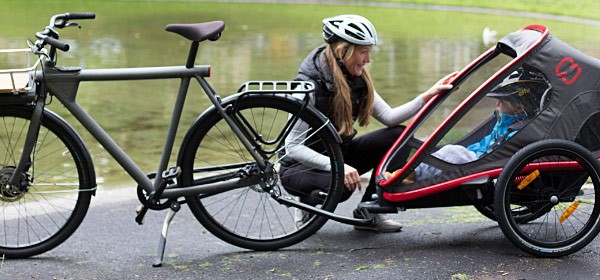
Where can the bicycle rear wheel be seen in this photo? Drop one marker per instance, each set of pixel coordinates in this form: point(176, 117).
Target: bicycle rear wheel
point(558, 183)
point(250, 217)
point(53, 198)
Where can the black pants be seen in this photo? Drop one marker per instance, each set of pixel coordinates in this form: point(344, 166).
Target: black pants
point(363, 153)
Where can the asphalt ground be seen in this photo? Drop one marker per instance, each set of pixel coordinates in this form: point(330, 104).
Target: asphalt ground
point(438, 243)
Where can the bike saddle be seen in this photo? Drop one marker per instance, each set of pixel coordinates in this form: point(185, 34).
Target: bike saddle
point(198, 32)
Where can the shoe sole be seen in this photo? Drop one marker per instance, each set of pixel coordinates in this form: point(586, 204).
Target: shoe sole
point(377, 229)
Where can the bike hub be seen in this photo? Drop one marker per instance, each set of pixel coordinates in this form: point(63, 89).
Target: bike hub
point(8, 192)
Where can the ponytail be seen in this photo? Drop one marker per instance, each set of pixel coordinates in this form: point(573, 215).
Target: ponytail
point(342, 103)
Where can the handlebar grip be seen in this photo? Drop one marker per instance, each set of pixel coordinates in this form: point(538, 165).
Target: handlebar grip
point(80, 15)
point(56, 43)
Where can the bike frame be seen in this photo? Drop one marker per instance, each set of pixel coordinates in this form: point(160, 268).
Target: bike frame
point(63, 83)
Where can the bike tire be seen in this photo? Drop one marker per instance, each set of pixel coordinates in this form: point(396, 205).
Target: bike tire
point(564, 185)
point(59, 184)
point(250, 217)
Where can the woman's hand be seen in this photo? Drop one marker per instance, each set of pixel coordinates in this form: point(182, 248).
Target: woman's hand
point(352, 179)
point(438, 87)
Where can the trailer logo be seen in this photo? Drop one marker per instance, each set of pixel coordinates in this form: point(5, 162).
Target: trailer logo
point(567, 67)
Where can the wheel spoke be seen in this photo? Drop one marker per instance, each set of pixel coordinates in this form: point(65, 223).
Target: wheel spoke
point(564, 216)
point(250, 217)
point(48, 205)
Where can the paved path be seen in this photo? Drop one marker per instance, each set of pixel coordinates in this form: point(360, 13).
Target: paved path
point(444, 243)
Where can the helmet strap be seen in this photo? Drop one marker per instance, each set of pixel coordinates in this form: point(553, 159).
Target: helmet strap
point(340, 62)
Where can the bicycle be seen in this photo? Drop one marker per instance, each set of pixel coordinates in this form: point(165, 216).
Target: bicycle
point(226, 168)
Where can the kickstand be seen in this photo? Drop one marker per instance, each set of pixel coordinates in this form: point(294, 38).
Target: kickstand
point(175, 206)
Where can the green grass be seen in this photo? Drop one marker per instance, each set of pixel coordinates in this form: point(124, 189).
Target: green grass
point(589, 9)
point(586, 9)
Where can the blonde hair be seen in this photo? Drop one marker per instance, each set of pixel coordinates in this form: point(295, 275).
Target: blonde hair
point(342, 104)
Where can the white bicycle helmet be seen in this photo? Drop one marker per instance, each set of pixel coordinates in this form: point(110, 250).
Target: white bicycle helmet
point(351, 28)
point(523, 86)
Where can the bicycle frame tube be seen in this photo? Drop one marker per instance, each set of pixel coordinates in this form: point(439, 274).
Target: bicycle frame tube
point(231, 123)
point(63, 83)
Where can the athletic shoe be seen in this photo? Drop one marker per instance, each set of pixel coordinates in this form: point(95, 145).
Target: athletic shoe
point(380, 223)
point(301, 217)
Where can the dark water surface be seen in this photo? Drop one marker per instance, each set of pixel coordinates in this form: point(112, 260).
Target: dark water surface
point(261, 42)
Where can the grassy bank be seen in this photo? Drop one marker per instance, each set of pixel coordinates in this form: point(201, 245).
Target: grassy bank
point(586, 9)
point(589, 9)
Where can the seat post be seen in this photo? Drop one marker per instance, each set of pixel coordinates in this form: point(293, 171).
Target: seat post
point(192, 55)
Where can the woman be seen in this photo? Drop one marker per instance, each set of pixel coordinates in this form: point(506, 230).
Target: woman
point(345, 94)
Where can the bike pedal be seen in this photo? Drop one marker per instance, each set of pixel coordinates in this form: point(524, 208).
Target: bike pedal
point(141, 212)
point(172, 172)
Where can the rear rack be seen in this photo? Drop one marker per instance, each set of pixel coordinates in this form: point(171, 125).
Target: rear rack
point(288, 87)
point(16, 80)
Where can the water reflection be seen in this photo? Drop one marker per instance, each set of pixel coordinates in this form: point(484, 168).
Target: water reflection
point(137, 113)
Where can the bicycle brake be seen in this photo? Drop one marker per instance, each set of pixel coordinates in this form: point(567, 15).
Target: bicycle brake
point(73, 24)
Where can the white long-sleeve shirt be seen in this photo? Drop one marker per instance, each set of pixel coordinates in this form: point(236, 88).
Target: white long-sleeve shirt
point(382, 112)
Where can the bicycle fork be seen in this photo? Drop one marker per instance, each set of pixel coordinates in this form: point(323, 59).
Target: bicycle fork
point(18, 179)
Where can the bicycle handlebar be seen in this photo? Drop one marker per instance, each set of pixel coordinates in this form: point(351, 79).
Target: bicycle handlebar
point(56, 43)
point(61, 20)
point(86, 15)
point(50, 37)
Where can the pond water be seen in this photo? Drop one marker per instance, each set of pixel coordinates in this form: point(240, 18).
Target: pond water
point(260, 42)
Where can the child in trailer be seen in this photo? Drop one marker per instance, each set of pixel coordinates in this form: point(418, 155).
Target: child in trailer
point(517, 99)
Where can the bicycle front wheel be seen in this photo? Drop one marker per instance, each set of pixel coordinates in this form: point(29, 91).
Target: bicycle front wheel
point(249, 216)
point(48, 205)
